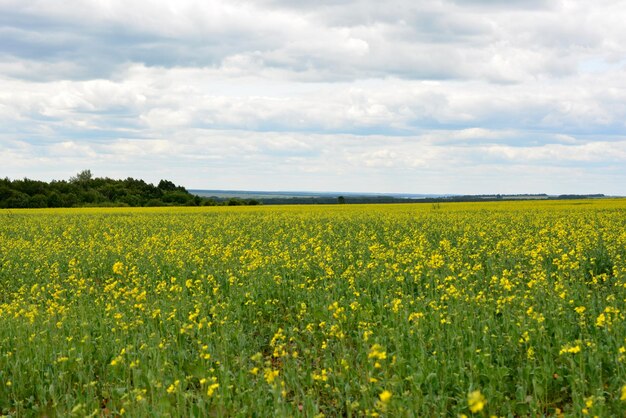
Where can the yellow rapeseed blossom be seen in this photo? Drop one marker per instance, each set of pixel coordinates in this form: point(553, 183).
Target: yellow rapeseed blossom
point(173, 387)
point(377, 352)
point(118, 267)
point(212, 388)
point(385, 396)
point(572, 349)
point(270, 375)
point(476, 401)
point(321, 376)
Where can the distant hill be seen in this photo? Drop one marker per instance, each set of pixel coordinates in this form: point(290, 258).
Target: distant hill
point(267, 195)
point(300, 197)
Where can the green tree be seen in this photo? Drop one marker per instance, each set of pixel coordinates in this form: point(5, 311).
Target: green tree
point(167, 186)
point(82, 177)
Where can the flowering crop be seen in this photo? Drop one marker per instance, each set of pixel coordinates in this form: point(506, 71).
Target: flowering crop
point(350, 310)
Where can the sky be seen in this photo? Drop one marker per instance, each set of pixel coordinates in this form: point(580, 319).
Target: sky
point(410, 96)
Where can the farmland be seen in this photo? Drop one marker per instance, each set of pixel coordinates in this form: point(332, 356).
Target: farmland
point(348, 310)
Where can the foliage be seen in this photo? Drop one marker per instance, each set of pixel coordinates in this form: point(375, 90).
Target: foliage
point(85, 190)
point(477, 309)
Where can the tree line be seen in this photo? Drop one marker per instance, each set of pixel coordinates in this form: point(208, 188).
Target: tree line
point(85, 190)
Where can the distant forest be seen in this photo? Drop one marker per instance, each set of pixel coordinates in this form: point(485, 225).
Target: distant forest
point(355, 199)
point(84, 190)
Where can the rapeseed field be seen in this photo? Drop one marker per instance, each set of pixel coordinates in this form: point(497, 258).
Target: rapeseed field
point(483, 309)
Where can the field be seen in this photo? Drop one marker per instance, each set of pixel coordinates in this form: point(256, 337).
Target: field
point(506, 309)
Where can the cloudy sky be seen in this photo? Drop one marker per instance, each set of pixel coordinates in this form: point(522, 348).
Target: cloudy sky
point(422, 96)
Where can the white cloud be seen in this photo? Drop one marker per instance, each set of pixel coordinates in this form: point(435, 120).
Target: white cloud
point(333, 95)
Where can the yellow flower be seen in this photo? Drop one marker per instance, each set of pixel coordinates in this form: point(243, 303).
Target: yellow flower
point(623, 397)
point(570, 349)
point(270, 375)
point(377, 352)
point(211, 389)
point(385, 396)
point(173, 386)
point(118, 268)
point(476, 401)
point(323, 376)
